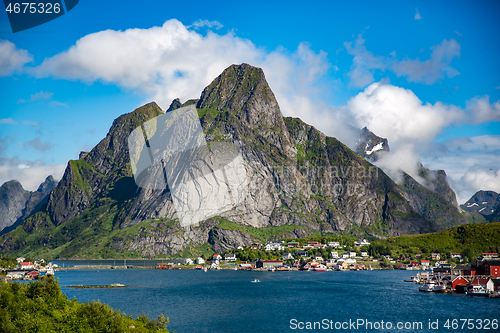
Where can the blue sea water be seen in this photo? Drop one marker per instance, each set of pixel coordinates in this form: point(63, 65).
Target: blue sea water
point(227, 300)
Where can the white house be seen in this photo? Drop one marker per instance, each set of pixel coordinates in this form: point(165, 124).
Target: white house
point(352, 254)
point(334, 254)
point(26, 265)
point(333, 244)
point(230, 257)
point(287, 255)
point(344, 255)
point(273, 246)
point(317, 257)
point(20, 259)
point(364, 254)
point(188, 261)
point(302, 253)
point(362, 242)
point(350, 261)
point(200, 261)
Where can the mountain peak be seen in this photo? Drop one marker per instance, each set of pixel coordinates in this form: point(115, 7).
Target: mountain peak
point(48, 185)
point(243, 91)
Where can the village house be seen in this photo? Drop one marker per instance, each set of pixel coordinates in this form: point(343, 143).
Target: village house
point(15, 274)
point(230, 257)
point(333, 244)
point(287, 255)
point(424, 263)
point(25, 265)
point(293, 244)
point(269, 263)
point(435, 256)
point(274, 246)
point(459, 283)
point(255, 246)
point(362, 242)
point(364, 253)
point(317, 257)
point(490, 255)
point(352, 254)
point(344, 255)
point(200, 261)
point(418, 256)
point(486, 283)
point(496, 284)
point(302, 253)
point(188, 261)
point(334, 254)
point(491, 267)
point(455, 255)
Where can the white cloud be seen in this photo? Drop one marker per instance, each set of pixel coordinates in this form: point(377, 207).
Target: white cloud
point(480, 110)
point(29, 173)
point(418, 16)
point(41, 95)
point(163, 62)
point(56, 103)
point(399, 115)
point(365, 63)
point(12, 59)
point(206, 23)
point(433, 69)
point(31, 123)
point(38, 144)
point(8, 121)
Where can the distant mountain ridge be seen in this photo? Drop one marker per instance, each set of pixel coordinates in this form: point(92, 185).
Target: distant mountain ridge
point(482, 202)
point(300, 182)
point(16, 204)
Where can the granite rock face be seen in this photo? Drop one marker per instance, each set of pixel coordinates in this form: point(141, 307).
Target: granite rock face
point(17, 204)
point(298, 181)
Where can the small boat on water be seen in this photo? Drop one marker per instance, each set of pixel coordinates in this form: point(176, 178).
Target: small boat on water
point(255, 280)
point(439, 289)
point(320, 268)
point(427, 287)
point(271, 269)
point(477, 291)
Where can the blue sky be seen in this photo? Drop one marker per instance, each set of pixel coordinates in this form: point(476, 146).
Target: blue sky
point(425, 75)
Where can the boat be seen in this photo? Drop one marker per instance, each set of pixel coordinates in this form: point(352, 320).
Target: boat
point(439, 288)
point(320, 268)
point(271, 269)
point(427, 287)
point(205, 269)
point(477, 291)
point(255, 280)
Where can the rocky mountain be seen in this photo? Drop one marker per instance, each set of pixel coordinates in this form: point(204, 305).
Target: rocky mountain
point(16, 204)
point(292, 180)
point(371, 146)
point(482, 202)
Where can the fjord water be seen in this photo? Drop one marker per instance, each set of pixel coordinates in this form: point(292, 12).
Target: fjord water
point(227, 300)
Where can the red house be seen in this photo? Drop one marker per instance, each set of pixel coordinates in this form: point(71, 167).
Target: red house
point(491, 267)
point(459, 284)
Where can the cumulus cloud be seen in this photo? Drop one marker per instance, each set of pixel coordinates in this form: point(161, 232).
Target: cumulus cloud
point(480, 110)
point(163, 62)
point(29, 173)
point(12, 59)
point(399, 115)
point(365, 63)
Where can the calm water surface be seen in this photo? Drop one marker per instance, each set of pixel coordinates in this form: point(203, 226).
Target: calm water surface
point(227, 301)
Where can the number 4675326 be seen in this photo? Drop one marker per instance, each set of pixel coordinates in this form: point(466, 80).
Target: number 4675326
point(33, 8)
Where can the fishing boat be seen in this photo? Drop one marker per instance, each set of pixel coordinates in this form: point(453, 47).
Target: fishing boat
point(477, 291)
point(439, 288)
point(320, 268)
point(427, 287)
point(255, 280)
point(271, 269)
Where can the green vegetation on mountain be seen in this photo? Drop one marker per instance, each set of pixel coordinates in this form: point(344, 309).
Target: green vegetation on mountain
point(470, 239)
point(40, 306)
